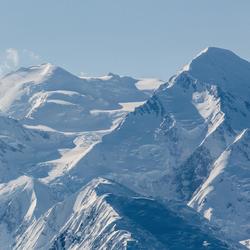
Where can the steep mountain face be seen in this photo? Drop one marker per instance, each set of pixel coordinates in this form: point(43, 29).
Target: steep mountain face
point(185, 117)
point(168, 147)
point(50, 96)
point(230, 175)
point(22, 201)
point(106, 215)
point(19, 147)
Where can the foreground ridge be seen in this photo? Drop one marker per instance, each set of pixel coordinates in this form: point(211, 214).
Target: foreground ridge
point(105, 214)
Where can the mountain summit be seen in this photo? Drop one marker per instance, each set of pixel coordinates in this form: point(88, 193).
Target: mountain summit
point(51, 96)
point(221, 67)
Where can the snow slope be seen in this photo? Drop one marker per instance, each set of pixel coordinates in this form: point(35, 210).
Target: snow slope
point(106, 215)
point(22, 148)
point(50, 96)
point(22, 200)
point(230, 175)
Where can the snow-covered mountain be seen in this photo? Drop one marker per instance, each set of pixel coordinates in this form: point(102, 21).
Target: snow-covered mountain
point(59, 115)
point(50, 96)
point(185, 144)
point(169, 146)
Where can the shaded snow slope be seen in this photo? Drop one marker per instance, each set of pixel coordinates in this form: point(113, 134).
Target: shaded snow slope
point(224, 197)
point(22, 148)
point(22, 200)
point(106, 215)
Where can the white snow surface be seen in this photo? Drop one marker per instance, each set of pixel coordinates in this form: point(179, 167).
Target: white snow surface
point(149, 84)
point(50, 96)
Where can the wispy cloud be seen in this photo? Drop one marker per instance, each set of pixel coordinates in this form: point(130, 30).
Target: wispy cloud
point(12, 58)
point(9, 60)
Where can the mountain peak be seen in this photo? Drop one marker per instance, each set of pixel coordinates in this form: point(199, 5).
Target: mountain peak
point(215, 51)
point(41, 67)
point(33, 73)
point(211, 55)
point(38, 74)
point(219, 66)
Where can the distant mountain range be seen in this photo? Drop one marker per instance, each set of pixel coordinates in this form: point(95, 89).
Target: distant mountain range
point(114, 163)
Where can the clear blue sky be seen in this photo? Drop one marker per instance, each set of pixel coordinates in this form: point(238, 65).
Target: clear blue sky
point(142, 38)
